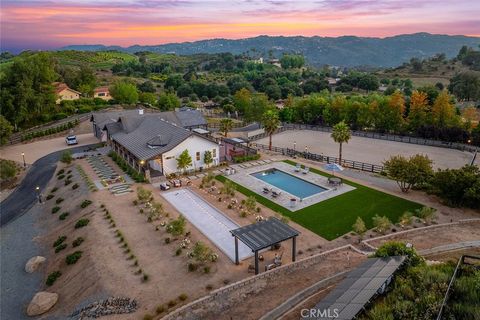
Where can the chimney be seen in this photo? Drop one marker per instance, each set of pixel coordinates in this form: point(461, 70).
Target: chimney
point(140, 111)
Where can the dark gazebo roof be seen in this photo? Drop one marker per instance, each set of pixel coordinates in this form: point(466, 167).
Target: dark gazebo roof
point(264, 234)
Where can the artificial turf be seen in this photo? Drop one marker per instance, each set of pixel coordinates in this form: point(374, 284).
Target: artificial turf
point(334, 217)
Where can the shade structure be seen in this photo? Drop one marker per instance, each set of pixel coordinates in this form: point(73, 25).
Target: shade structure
point(333, 167)
point(262, 235)
point(360, 286)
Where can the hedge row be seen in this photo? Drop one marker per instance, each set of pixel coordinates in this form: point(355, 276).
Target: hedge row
point(246, 158)
point(138, 177)
point(50, 131)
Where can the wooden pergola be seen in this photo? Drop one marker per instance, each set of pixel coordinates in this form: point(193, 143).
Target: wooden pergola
point(264, 234)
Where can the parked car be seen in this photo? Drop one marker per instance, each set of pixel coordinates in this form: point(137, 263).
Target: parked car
point(71, 140)
point(164, 186)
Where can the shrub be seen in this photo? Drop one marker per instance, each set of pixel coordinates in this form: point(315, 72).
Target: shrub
point(59, 240)
point(60, 247)
point(81, 223)
point(66, 157)
point(77, 242)
point(59, 200)
point(160, 309)
point(406, 218)
point(359, 226)
point(206, 269)
point(60, 177)
point(178, 252)
point(85, 203)
point(67, 182)
point(192, 267)
point(74, 257)
point(381, 224)
point(393, 248)
point(176, 227)
point(246, 158)
point(52, 277)
point(209, 287)
point(147, 317)
point(63, 216)
point(54, 190)
point(145, 277)
point(171, 303)
point(55, 209)
point(75, 186)
point(61, 171)
point(426, 213)
point(182, 297)
point(167, 240)
point(50, 196)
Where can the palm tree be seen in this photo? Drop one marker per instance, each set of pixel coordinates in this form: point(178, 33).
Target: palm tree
point(226, 125)
point(340, 134)
point(271, 123)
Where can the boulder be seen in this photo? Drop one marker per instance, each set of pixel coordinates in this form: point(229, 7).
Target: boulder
point(33, 264)
point(41, 303)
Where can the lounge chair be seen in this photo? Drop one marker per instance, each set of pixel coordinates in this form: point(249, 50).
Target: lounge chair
point(176, 183)
point(298, 167)
point(266, 190)
point(306, 170)
point(276, 194)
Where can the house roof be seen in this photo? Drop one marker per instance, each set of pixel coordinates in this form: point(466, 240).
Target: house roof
point(101, 89)
point(184, 117)
point(60, 86)
point(152, 137)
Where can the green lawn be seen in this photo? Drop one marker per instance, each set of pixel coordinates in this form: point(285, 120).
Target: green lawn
point(334, 217)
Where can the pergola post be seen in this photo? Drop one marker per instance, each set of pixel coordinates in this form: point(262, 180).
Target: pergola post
point(237, 262)
point(294, 248)
point(256, 261)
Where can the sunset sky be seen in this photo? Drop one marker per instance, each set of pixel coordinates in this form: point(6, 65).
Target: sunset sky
point(45, 24)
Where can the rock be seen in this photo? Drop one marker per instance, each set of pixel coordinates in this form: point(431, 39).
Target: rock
point(33, 264)
point(41, 303)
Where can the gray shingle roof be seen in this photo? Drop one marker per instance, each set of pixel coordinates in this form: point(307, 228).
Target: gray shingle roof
point(136, 141)
point(184, 117)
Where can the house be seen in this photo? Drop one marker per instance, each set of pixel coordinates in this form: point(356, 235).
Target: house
point(184, 117)
point(152, 145)
point(102, 93)
point(63, 92)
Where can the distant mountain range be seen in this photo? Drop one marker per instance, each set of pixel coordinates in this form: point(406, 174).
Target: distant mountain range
point(347, 51)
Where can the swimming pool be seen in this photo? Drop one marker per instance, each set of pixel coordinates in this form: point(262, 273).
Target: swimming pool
point(289, 183)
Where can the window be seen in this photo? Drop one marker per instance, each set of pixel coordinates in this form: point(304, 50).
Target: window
point(214, 153)
point(198, 156)
point(101, 94)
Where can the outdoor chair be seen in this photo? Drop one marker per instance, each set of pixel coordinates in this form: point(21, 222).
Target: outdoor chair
point(266, 190)
point(298, 167)
point(306, 170)
point(276, 194)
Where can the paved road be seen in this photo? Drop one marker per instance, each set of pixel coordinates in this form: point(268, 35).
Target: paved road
point(22, 199)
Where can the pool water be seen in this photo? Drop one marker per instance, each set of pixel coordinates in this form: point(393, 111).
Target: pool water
point(289, 183)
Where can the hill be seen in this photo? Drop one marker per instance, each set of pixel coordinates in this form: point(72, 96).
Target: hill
point(346, 51)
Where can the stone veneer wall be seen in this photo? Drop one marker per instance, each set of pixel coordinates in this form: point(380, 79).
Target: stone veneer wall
point(223, 298)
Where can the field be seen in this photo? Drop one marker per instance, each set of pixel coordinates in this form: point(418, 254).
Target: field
point(334, 217)
point(368, 150)
point(97, 60)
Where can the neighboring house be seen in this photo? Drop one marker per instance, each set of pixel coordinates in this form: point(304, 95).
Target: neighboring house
point(184, 117)
point(102, 93)
point(63, 92)
point(150, 143)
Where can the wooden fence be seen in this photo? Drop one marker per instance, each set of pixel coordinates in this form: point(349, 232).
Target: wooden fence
point(358, 165)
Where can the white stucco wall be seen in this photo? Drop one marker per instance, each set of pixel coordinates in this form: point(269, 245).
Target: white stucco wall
point(193, 144)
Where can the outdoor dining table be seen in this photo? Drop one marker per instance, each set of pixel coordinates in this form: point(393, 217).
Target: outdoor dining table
point(334, 181)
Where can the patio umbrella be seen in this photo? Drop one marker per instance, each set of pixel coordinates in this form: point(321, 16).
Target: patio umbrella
point(333, 167)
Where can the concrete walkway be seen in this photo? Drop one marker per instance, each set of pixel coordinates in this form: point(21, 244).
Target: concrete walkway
point(211, 222)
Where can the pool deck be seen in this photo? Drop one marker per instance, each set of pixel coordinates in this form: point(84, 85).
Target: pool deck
point(243, 177)
point(210, 221)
